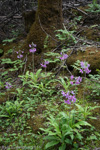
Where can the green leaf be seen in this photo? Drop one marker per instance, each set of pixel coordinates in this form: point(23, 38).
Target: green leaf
point(1, 51)
point(68, 141)
point(52, 138)
point(75, 145)
point(92, 137)
point(50, 144)
point(83, 123)
point(72, 136)
point(52, 133)
point(4, 73)
point(38, 72)
point(79, 107)
point(62, 147)
point(67, 133)
point(79, 136)
point(1, 116)
point(92, 117)
point(64, 84)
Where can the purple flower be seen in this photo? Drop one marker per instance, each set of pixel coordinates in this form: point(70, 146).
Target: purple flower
point(72, 92)
point(77, 83)
point(70, 97)
point(78, 80)
point(82, 64)
point(43, 65)
point(88, 65)
point(17, 52)
point(85, 67)
point(67, 94)
point(46, 62)
point(74, 99)
point(71, 77)
point(20, 56)
point(8, 85)
point(71, 82)
point(34, 45)
point(30, 45)
point(87, 70)
point(63, 93)
point(32, 50)
point(65, 56)
point(67, 102)
point(81, 70)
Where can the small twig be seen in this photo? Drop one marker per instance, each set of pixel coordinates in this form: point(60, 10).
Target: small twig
point(82, 11)
point(68, 69)
point(25, 60)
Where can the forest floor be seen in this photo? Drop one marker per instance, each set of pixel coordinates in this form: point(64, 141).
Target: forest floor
point(31, 96)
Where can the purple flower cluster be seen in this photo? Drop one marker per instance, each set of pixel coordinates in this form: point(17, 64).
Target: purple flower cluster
point(32, 48)
point(63, 56)
point(19, 54)
point(76, 81)
point(70, 97)
point(84, 67)
point(8, 85)
point(45, 63)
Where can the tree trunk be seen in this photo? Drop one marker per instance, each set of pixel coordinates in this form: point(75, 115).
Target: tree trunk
point(48, 19)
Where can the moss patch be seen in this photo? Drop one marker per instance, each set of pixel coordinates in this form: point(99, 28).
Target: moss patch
point(37, 120)
point(91, 33)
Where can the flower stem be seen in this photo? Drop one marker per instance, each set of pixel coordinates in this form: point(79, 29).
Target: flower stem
point(33, 61)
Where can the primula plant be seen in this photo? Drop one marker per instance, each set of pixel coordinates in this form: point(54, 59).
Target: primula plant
point(19, 54)
point(63, 56)
point(65, 129)
point(69, 96)
point(85, 67)
point(44, 65)
point(82, 66)
point(8, 85)
point(32, 50)
point(75, 80)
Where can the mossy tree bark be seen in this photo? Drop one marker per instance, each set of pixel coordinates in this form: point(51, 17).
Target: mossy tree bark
point(48, 19)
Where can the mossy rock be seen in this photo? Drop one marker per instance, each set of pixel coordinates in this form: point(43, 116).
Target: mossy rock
point(91, 33)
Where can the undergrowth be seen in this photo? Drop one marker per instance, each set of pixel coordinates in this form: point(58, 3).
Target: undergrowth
point(43, 110)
